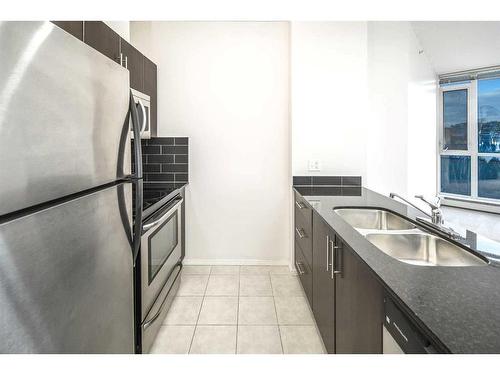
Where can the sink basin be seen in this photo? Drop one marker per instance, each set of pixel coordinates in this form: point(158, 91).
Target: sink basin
point(370, 218)
point(423, 249)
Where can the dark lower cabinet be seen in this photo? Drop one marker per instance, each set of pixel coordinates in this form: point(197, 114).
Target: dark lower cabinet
point(305, 273)
point(101, 37)
point(323, 283)
point(347, 299)
point(75, 28)
point(359, 305)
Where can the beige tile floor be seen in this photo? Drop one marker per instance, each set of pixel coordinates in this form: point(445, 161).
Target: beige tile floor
point(238, 309)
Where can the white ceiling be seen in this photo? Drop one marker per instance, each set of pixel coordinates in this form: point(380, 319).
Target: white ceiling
point(452, 46)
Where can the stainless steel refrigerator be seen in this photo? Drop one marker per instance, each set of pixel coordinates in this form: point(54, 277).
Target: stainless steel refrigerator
point(66, 232)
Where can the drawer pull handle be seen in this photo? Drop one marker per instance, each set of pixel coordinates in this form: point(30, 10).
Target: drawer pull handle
point(300, 205)
point(300, 233)
point(298, 265)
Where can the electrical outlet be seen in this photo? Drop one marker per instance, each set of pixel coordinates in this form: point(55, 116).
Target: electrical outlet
point(314, 165)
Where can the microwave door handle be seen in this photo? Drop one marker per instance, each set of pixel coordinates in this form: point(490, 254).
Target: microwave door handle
point(148, 226)
point(144, 120)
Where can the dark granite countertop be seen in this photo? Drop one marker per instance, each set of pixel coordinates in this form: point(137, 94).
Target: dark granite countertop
point(457, 307)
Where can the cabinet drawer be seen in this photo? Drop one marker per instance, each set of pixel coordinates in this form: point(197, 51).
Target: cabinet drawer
point(303, 208)
point(303, 235)
point(305, 274)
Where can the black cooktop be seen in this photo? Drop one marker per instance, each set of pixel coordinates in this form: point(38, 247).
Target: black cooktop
point(155, 194)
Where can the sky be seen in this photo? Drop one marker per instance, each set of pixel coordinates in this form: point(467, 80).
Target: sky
point(455, 108)
point(488, 100)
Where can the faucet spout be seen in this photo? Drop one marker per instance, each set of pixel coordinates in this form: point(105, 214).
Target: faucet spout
point(394, 196)
point(436, 218)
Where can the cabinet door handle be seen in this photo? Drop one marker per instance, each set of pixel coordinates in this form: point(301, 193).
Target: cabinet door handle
point(298, 265)
point(337, 270)
point(126, 62)
point(333, 248)
point(300, 232)
point(300, 205)
point(327, 253)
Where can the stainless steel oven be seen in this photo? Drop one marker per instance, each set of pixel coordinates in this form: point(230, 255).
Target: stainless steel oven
point(161, 255)
point(143, 103)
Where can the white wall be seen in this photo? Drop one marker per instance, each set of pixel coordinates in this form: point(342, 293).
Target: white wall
point(363, 103)
point(328, 64)
point(225, 86)
point(121, 27)
point(401, 142)
point(387, 130)
point(422, 122)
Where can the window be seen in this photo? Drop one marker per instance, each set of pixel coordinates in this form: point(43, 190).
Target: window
point(469, 140)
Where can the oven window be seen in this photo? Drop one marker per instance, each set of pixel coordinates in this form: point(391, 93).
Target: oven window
point(161, 244)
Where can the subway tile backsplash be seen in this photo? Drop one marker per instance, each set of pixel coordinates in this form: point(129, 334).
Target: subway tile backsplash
point(165, 159)
point(327, 180)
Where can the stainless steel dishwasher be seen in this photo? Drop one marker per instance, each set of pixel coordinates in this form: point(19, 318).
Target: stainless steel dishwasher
point(400, 336)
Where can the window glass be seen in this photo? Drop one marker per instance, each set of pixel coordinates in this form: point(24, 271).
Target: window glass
point(455, 119)
point(489, 177)
point(488, 115)
point(455, 174)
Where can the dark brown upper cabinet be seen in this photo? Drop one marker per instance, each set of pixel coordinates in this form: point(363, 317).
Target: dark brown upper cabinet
point(143, 72)
point(133, 60)
point(323, 282)
point(101, 37)
point(150, 88)
point(358, 307)
point(75, 28)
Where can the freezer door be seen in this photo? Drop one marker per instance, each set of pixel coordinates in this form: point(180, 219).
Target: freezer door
point(66, 277)
point(63, 116)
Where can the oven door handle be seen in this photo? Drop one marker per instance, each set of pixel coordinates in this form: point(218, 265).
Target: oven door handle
point(148, 226)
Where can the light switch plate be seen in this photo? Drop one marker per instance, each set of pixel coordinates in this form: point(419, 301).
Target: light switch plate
point(314, 165)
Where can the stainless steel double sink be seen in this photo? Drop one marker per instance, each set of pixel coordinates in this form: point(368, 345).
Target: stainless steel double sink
point(404, 241)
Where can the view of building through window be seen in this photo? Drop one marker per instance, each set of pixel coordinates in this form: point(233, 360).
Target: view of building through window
point(470, 152)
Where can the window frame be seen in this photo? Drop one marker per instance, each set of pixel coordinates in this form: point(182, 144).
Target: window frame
point(464, 201)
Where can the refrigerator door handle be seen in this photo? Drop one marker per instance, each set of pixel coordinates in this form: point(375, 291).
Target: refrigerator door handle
point(137, 221)
point(138, 179)
point(137, 137)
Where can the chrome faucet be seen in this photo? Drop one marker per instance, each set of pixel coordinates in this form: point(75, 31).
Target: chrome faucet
point(436, 214)
point(436, 217)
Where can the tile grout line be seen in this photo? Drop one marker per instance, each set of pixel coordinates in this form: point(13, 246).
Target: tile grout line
point(276, 312)
point(199, 312)
point(238, 311)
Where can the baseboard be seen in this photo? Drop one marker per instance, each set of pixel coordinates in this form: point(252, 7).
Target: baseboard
point(235, 262)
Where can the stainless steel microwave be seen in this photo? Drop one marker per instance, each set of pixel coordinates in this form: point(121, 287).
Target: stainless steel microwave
point(143, 103)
